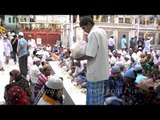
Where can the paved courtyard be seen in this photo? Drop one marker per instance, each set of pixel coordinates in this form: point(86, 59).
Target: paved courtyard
point(4, 77)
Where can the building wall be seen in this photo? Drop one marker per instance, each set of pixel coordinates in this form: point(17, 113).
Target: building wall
point(10, 24)
point(111, 25)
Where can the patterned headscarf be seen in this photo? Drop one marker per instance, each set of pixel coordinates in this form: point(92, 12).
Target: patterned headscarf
point(17, 96)
point(16, 73)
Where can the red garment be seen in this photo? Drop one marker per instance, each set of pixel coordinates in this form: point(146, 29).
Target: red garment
point(17, 96)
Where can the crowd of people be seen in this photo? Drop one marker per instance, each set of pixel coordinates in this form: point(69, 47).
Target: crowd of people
point(109, 76)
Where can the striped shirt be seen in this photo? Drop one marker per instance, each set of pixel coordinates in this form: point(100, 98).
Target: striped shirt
point(42, 79)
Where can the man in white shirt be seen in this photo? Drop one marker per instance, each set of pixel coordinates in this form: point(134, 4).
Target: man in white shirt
point(111, 43)
point(156, 59)
point(97, 62)
point(34, 72)
point(147, 44)
point(31, 44)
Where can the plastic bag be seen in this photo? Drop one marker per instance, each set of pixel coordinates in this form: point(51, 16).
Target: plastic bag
point(78, 49)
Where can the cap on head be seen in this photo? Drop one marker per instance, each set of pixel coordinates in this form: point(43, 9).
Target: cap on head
point(115, 69)
point(36, 59)
point(130, 74)
point(13, 34)
point(54, 82)
point(21, 34)
point(138, 67)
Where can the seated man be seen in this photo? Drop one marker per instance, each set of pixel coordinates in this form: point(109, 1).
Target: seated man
point(42, 78)
point(113, 92)
point(53, 91)
point(81, 78)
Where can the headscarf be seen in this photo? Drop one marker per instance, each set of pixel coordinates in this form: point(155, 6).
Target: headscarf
point(16, 73)
point(17, 96)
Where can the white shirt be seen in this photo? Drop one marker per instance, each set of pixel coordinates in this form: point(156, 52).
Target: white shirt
point(155, 60)
point(113, 60)
point(34, 72)
point(32, 43)
point(97, 67)
point(147, 44)
point(127, 64)
point(1, 51)
point(111, 42)
point(48, 48)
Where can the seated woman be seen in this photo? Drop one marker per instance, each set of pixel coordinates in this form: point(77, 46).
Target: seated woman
point(16, 79)
point(15, 95)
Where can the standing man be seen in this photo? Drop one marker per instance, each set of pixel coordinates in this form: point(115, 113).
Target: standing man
point(22, 52)
point(14, 43)
point(31, 44)
point(124, 43)
point(1, 53)
point(97, 61)
point(111, 43)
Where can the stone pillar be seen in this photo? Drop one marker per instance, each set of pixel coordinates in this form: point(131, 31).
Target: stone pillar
point(115, 33)
point(156, 39)
point(115, 19)
point(71, 32)
point(109, 19)
point(146, 19)
point(133, 20)
point(77, 30)
point(77, 20)
point(65, 36)
point(155, 22)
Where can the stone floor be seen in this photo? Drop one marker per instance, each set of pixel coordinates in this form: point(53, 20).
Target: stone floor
point(4, 77)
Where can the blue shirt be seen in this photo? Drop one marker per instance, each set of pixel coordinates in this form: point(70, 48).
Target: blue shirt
point(24, 51)
point(115, 86)
point(140, 77)
point(123, 43)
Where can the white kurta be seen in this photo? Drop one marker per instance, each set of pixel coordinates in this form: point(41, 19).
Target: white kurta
point(1, 53)
point(7, 47)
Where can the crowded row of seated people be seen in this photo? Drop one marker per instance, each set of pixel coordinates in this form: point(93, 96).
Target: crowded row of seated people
point(136, 85)
point(43, 86)
point(134, 78)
